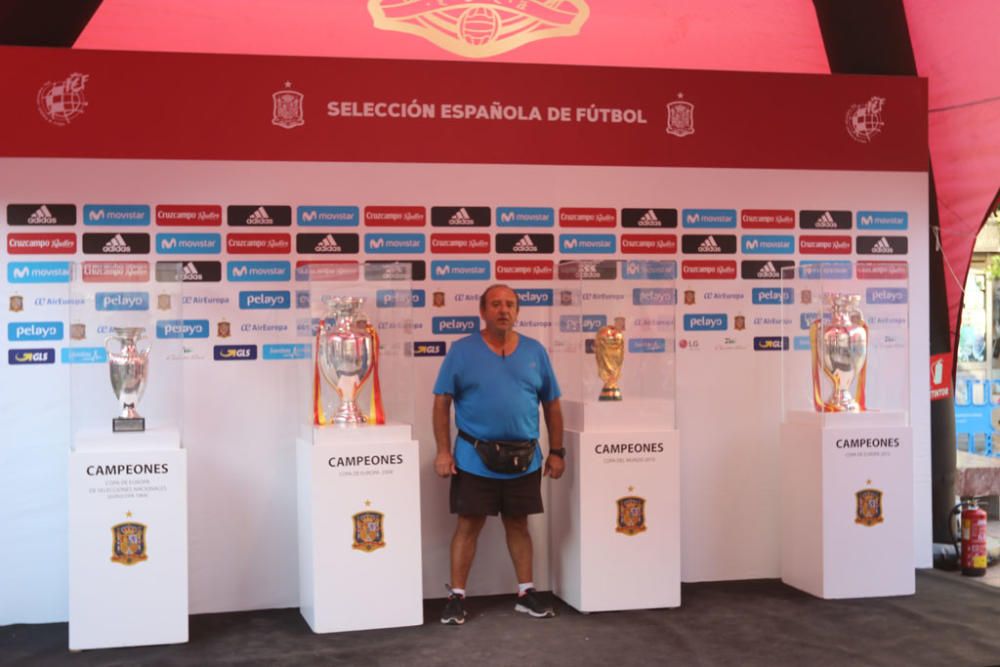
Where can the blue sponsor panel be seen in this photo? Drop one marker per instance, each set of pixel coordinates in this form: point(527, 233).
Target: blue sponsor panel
point(395, 244)
point(182, 329)
point(455, 325)
point(32, 356)
point(302, 299)
point(806, 319)
point(287, 351)
point(534, 297)
point(766, 244)
point(831, 270)
point(430, 348)
point(801, 343)
point(706, 322)
point(171, 243)
point(460, 269)
point(593, 323)
point(400, 298)
point(116, 215)
point(654, 296)
point(234, 352)
point(32, 331)
point(569, 323)
point(591, 244)
point(260, 271)
point(770, 343)
point(520, 216)
point(327, 216)
point(709, 218)
point(650, 269)
point(647, 345)
point(886, 295)
point(38, 272)
point(114, 301)
point(882, 220)
point(84, 355)
point(772, 296)
point(265, 300)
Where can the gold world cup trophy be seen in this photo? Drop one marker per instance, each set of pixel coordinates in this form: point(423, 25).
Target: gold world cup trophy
point(609, 350)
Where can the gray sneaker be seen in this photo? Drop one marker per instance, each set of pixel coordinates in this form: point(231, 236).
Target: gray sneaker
point(530, 603)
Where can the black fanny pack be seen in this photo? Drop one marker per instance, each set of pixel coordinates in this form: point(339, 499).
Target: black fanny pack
point(503, 456)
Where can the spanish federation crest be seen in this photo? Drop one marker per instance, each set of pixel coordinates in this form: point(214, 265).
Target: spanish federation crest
point(740, 322)
point(77, 331)
point(288, 110)
point(222, 329)
point(680, 117)
point(128, 543)
point(16, 303)
point(369, 533)
point(631, 515)
point(864, 121)
point(689, 297)
point(869, 507)
point(163, 302)
point(60, 102)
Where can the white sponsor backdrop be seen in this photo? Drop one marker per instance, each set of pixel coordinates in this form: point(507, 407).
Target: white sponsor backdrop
point(240, 416)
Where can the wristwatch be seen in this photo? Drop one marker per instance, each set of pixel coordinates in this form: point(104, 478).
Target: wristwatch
point(561, 453)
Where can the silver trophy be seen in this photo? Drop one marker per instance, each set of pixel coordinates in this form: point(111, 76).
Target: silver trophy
point(345, 355)
point(842, 355)
point(129, 367)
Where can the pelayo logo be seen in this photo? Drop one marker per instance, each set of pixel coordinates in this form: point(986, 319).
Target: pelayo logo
point(534, 297)
point(121, 301)
point(886, 295)
point(265, 300)
point(706, 322)
point(234, 352)
point(772, 296)
point(400, 298)
point(32, 331)
point(182, 329)
point(654, 296)
point(454, 325)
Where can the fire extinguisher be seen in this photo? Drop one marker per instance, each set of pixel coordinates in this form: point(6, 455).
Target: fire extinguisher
point(973, 545)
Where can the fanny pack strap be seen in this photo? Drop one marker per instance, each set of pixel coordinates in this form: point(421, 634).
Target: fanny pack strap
point(476, 441)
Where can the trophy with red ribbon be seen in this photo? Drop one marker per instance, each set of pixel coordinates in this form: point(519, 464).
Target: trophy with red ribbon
point(347, 351)
point(840, 355)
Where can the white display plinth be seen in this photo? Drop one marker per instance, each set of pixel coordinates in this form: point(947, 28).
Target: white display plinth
point(835, 543)
point(612, 416)
point(599, 563)
point(128, 559)
point(359, 572)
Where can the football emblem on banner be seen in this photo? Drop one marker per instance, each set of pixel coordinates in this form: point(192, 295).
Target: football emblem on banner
point(163, 301)
point(60, 102)
point(868, 507)
point(288, 111)
point(128, 542)
point(680, 117)
point(480, 28)
point(864, 121)
point(631, 515)
point(77, 331)
point(223, 329)
point(16, 303)
point(369, 531)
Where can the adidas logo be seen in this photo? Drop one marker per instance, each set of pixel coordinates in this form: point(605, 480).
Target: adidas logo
point(191, 273)
point(525, 244)
point(42, 216)
point(260, 217)
point(116, 244)
point(327, 244)
point(882, 247)
point(649, 219)
point(826, 221)
point(461, 217)
point(768, 271)
point(709, 245)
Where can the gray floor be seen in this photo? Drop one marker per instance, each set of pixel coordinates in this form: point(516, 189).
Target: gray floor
point(951, 621)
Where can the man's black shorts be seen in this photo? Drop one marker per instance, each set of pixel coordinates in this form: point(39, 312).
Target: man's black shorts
point(475, 495)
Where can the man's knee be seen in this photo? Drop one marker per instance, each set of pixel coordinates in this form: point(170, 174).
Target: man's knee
point(469, 525)
point(518, 523)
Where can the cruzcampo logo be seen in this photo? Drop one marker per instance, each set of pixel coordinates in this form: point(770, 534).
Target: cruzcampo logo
point(481, 28)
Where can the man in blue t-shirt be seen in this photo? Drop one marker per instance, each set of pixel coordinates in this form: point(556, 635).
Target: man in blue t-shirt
point(496, 378)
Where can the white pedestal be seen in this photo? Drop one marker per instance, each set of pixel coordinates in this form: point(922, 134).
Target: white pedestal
point(835, 543)
point(128, 560)
point(599, 564)
point(359, 529)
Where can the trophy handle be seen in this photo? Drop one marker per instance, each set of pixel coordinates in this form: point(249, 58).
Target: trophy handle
point(107, 343)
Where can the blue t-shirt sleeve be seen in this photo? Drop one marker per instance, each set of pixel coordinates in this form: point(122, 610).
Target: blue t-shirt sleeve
point(549, 390)
point(447, 379)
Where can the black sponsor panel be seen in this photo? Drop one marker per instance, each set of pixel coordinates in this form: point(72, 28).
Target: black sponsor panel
point(573, 269)
point(767, 269)
point(430, 348)
point(881, 245)
point(825, 219)
point(708, 244)
point(259, 216)
point(327, 244)
point(460, 216)
point(191, 272)
point(393, 270)
point(525, 243)
point(120, 243)
point(41, 215)
point(649, 218)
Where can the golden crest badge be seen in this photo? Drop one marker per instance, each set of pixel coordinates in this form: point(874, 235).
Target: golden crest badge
point(868, 503)
point(128, 542)
point(77, 331)
point(222, 329)
point(369, 533)
point(288, 110)
point(16, 303)
point(631, 515)
point(680, 117)
point(481, 28)
point(163, 302)
point(689, 297)
point(740, 322)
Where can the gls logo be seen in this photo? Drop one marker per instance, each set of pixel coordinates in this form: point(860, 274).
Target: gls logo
point(182, 329)
point(432, 348)
point(534, 297)
point(770, 296)
point(122, 300)
point(234, 352)
point(37, 356)
point(34, 331)
point(706, 322)
point(454, 325)
point(265, 300)
point(770, 343)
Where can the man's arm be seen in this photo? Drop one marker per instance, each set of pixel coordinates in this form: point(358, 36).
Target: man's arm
point(554, 465)
point(444, 462)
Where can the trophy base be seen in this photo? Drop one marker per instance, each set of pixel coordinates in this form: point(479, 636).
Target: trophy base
point(610, 394)
point(128, 424)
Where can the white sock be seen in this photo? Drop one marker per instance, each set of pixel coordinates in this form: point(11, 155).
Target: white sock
point(458, 591)
point(521, 588)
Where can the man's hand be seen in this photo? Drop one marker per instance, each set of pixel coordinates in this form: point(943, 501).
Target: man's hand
point(554, 466)
point(444, 464)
